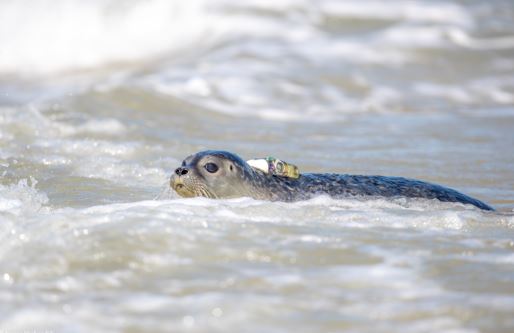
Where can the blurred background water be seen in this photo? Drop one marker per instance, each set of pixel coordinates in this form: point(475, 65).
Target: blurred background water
point(101, 100)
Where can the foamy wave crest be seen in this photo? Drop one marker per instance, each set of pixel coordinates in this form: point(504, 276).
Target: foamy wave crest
point(437, 12)
point(21, 197)
point(351, 213)
point(45, 36)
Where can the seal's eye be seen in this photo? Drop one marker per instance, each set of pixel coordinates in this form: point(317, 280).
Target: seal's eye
point(211, 167)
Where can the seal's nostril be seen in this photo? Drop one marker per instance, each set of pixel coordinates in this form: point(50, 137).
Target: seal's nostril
point(181, 171)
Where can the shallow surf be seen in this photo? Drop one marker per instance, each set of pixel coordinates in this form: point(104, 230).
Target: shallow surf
point(98, 107)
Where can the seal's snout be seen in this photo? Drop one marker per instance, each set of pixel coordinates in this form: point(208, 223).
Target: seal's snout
point(181, 171)
point(179, 182)
point(176, 182)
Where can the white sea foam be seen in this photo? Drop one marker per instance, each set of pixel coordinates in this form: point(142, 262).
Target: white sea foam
point(22, 197)
point(62, 35)
point(354, 213)
point(242, 78)
point(461, 38)
point(309, 246)
point(419, 11)
point(485, 90)
point(229, 81)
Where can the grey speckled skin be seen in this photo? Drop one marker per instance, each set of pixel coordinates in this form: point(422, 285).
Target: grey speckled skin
point(235, 178)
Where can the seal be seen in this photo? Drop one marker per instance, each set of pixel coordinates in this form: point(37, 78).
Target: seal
point(221, 174)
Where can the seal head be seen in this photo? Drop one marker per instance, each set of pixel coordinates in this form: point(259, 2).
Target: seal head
point(213, 174)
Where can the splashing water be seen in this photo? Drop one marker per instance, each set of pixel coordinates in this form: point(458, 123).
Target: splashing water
point(101, 100)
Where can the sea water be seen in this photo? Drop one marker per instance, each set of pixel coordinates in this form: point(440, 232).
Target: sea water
point(101, 100)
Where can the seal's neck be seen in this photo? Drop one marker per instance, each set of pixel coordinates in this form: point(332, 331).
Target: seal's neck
point(256, 183)
point(264, 186)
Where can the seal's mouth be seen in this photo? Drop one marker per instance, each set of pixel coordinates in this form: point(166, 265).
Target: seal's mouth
point(178, 185)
